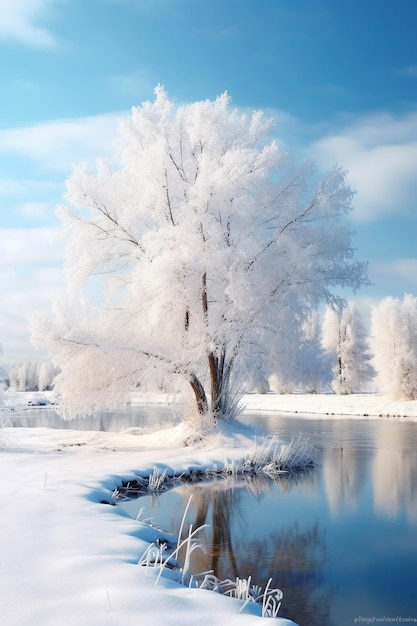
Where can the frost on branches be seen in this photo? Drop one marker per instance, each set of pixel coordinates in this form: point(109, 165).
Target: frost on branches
point(186, 253)
point(394, 346)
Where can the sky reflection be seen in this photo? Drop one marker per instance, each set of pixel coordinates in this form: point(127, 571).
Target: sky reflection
point(339, 541)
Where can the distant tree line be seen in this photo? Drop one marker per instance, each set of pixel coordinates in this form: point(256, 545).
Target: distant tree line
point(335, 351)
point(28, 376)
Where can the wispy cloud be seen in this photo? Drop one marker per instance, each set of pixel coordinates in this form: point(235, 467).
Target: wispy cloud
point(34, 210)
point(31, 246)
point(403, 270)
point(24, 188)
point(137, 84)
point(380, 152)
point(410, 71)
point(22, 294)
point(29, 202)
point(58, 144)
point(22, 21)
point(29, 280)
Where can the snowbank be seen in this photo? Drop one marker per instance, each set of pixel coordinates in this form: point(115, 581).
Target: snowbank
point(68, 559)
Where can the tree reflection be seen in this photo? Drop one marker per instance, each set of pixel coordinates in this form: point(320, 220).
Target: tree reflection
point(113, 420)
point(394, 471)
point(221, 504)
point(292, 557)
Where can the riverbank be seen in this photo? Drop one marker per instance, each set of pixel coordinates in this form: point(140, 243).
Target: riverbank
point(355, 405)
point(325, 404)
point(69, 559)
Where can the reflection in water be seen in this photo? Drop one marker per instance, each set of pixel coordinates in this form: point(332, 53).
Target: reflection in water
point(343, 477)
point(389, 462)
point(293, 558)
point(115, 420)
point(357, 454)
point(295, 561)
point(236, 546)
point(394, 473)
point(339, 541)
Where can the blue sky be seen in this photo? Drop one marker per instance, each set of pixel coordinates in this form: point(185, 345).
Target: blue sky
point(339, 77)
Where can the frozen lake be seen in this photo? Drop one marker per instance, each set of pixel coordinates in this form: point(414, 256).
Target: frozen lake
point(341, 542)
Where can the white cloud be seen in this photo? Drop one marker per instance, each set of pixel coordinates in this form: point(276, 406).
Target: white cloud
point(22, 295)
point(26, 199)
point(20, 20)
point(34, 210)
point(11, 187)
point(31, 274)
point(397, 270)
point(29, 280)
point(30, 246)
point(58, 144)
point(380, 152)
point(25, 187)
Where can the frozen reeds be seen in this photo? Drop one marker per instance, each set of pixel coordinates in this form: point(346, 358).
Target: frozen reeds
point(163, 560)
point(266, 457)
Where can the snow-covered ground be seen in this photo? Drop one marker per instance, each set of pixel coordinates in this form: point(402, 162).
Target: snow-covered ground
point(68, 559)
point(326, 405)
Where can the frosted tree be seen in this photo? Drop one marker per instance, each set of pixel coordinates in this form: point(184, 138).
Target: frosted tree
point(4, 377)
point(300, 361)
point(27, 376)
point(21, 373)
point(193, 240)
point(394, 346)
point(344, 336)
point(45, 376)
point(316, 363)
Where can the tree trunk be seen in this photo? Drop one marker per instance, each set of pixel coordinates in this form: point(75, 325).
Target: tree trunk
point(200, 395)
point(218, 384)
point(219, 372)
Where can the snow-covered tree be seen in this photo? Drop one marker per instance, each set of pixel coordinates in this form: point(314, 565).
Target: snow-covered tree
point(300, 361)
point(45, 376)
point(344, 336)
point(22, 376)
point(27, 376)
point(316, 363)
point(394, 346)
point(198, 235)
point(256, 381)
point(280, 384)
point(4, 377)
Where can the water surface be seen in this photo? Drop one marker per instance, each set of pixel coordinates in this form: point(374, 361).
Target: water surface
point(341, 542)
point(115, 420)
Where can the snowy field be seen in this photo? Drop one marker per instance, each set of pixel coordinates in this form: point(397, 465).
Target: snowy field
point(68, 559)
